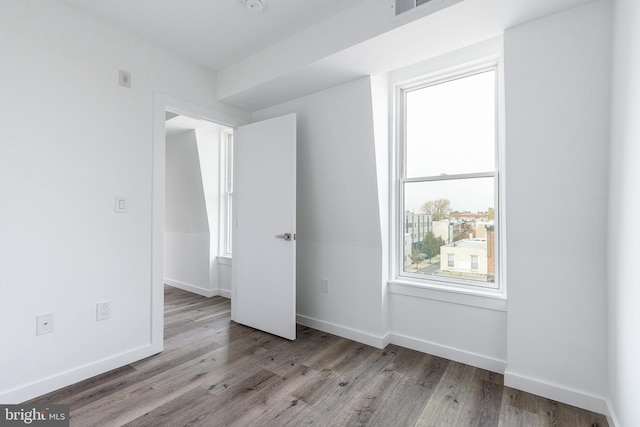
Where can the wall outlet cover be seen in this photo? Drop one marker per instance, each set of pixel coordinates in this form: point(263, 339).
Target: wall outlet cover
point(103, 310)
point(44, 324)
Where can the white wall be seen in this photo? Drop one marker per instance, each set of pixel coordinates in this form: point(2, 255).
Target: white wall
point(338, 213)
point(382, 128)
point(72, 139)
point(557, 100)
point(187, 237)
point(624, 203)
point(456, 331)
point(224, 276)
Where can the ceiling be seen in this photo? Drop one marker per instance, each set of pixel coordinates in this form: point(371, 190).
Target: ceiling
point(296, 47)
point(213, 33)
point(176, 123)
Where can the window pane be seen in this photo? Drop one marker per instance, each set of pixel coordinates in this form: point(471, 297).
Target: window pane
point(449, 229)
point(450, 127)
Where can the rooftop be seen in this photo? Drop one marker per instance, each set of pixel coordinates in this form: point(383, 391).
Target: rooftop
point(469, 243)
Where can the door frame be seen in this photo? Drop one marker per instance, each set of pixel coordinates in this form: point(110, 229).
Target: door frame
point(162, 103)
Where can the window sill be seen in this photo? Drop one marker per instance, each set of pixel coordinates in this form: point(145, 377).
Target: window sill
point(224, 260)
point(480, 298)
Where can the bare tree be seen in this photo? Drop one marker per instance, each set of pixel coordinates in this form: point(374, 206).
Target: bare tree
point(438, 209)
point(417, 258)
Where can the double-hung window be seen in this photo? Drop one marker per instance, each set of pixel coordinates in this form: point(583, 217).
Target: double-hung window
point(227, 193)
point(447, 182)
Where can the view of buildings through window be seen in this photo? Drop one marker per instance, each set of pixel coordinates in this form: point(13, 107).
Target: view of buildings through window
point(448, 178)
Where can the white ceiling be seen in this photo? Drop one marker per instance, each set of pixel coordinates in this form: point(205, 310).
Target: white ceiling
point(214, 33)
point(176, 124)
point(296, 47)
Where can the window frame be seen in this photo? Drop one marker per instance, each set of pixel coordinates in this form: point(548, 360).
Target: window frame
point(440, 283)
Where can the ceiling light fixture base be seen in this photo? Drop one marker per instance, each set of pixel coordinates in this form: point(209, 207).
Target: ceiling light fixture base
point(254, 5)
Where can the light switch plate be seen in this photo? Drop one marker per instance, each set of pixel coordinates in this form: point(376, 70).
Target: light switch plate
point(324, 285)
point(121, 204)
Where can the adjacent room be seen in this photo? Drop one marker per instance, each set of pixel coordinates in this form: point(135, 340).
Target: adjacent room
point(339, 212)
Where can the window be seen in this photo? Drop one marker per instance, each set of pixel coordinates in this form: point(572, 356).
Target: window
point(447, 184)
point(227, 178)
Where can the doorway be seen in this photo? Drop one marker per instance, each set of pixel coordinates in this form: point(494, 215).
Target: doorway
point(197, 205)
point(165, 107)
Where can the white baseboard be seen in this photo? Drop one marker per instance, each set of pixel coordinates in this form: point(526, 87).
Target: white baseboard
point(344, 332)
point(611, 416)
point(62, 379)
point(556, 392)
point(224, 293)
point(458, 355)
point(386, 339)
point(192, 288)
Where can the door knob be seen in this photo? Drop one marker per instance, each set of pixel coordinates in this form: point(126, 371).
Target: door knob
point(285, 236)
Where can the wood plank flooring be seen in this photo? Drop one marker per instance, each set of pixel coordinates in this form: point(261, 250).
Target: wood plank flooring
point(214, 372)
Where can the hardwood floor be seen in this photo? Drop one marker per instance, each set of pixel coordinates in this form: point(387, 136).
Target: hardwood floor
point(214, 372)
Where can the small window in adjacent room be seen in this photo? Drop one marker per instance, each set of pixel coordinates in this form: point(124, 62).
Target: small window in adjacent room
point(227, 202)
point(447, 184)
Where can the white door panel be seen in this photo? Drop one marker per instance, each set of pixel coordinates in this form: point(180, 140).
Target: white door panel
point(264, 264)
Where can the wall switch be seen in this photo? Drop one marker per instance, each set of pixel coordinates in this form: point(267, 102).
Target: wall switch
point(324, 285)
point(124, 78)
point(44, 324)
point(103, 310)
point(121, 204)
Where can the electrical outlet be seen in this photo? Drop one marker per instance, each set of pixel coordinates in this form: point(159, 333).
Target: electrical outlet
point(103, 310)
point(324, 285)
point(44, 324)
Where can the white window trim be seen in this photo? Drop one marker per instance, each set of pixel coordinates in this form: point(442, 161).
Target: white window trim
point(224, 260)
point(427, 81)
point(449, 293)
point(483, 55)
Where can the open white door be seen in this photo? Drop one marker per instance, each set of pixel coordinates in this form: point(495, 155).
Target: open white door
point(264, 209)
